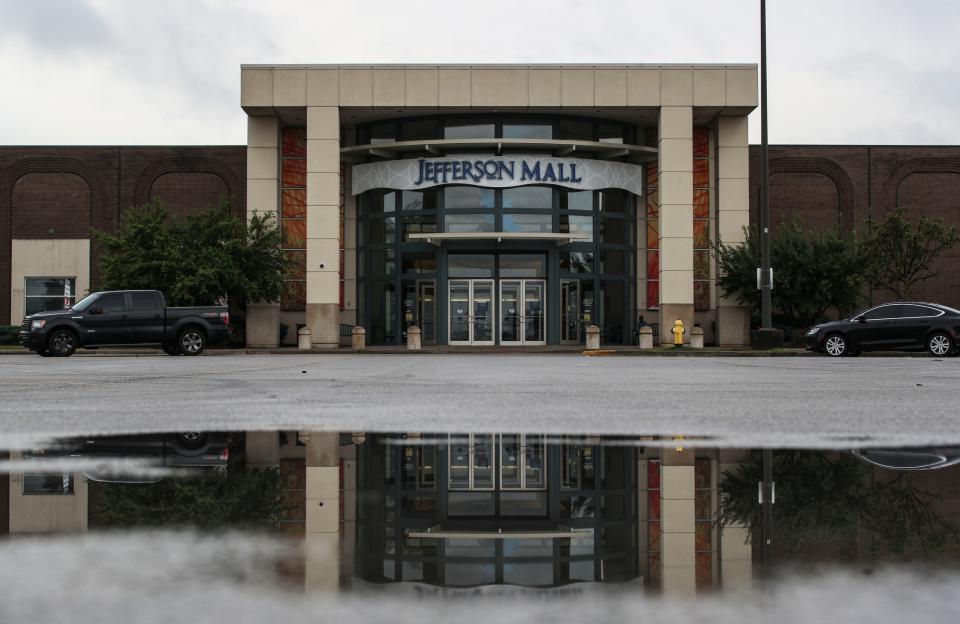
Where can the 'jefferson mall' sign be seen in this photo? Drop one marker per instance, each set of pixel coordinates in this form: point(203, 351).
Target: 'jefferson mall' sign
point(498, 172)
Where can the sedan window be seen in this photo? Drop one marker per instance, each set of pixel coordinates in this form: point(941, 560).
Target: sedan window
point(913, 311)
point(882, 312)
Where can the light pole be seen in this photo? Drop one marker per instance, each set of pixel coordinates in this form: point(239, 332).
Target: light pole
point(767, 337)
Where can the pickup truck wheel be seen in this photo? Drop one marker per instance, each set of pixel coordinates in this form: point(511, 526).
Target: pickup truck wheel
point(191, 341)
point(62, 343)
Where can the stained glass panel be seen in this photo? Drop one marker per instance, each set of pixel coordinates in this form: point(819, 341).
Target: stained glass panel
point(701, 204)
point(701, 295)
point(651, 170)
point(294, 173)
point(701, 234)
point(653, 294)
point(653, 536)
point(701, 173)
point(294, 203)
point(701, 142)
point(653, 504)
point(702, 505)
point(653, 265)
point(653, 474)
point(653, 208)
point(653, 236)
point(294, 295)
point(701, 265)
point(704, 571)
point(294, 143)
point(296, 267)
point(294, 234)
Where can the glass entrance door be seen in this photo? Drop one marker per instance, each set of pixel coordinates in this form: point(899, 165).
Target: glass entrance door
point(471, 312)
point(523, 312)
point(570, 312)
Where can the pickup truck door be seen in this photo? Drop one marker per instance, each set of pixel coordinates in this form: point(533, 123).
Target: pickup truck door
point(105, 321)
point(146, 317)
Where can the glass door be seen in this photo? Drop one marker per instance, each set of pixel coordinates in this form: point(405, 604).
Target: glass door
point(427, 312)
point(511, 326)
point(471, 310)
point(523, 312)
point(534, 309)
point(570, 312)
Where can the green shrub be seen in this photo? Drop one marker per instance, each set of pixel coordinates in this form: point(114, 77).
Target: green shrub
point(8, 334)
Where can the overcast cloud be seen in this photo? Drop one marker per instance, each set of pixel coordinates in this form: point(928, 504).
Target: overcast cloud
point(168, 72)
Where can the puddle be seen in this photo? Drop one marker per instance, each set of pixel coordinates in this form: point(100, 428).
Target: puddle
point(234, 526)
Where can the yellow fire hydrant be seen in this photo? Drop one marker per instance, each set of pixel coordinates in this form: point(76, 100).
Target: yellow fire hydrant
point(678, 332)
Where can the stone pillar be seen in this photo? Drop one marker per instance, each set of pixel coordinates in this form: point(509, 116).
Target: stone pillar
point(263, 196)
point(733, 214)
point(675, 167)
point(413, 338)
point(322, 535)
point(736, 552)
point(646, 337)
point(678, 523)
point(593, 337)
point(696, 337)
point(323, 225)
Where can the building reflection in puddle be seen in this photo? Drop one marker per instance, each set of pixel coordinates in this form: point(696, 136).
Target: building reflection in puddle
point(447, 514)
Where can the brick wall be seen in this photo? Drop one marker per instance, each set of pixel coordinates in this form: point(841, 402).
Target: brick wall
point(71, 190)
point(843, 185)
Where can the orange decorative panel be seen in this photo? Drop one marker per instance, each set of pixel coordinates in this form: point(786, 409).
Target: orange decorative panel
point(294, 295)
point(701, 234)
point(651, 170)
point(294, 143)
point(294, 173)
point(653, 235)
point(296, 267)
point(653, 504)
point(701, 204)
point(653, 536)
point(701, 142)
point(294, 203)
point(653, 265)
point(294, 234)
point(704, 570)
point(701, 173)
point(701, 265)
point(653, 294)
point(701, 295)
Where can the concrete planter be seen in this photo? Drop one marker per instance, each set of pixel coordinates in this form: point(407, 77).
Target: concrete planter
point(359, 338)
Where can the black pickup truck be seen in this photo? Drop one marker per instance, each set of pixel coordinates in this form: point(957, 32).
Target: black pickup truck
point(125, 318)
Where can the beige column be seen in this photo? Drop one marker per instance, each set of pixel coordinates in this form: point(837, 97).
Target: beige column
point(262, 449)
point(322, 536)
point(736, 552)
point(263, 196)
point(349, 313)
point(676, 218)
point(323, 225)
point(678, 523)
point(733, 214)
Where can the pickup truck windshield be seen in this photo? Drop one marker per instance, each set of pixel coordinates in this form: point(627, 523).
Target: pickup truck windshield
point(84, 303)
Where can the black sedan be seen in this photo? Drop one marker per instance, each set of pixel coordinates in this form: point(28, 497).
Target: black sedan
point(902, 326)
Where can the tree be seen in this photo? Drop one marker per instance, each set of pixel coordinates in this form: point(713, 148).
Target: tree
point(822, 497)
point(815, 272)
point(201, 259)
point(901, 255)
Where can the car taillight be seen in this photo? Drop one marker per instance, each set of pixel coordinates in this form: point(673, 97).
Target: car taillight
point(225, 454)
point(225, 317)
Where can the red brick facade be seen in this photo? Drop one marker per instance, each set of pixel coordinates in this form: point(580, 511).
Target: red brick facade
point(64, 192)
point(843, 185)
point(70, 190)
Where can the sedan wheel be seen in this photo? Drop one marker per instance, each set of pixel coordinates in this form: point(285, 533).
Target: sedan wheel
point(939, 344)
point(835, 345)
point(62, 343)
point(191, 342)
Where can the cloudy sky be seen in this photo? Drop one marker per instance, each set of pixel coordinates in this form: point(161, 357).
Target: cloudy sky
point(168, 72)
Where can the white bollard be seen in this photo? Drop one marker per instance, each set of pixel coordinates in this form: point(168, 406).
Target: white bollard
point(646, 337)
point(696, 337)
point(359, 338)
point(593, 337)
point(303, 338)
point(413, 338)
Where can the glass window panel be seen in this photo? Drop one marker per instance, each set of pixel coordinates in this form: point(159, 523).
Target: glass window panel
point(580, 546)
point(701, 204)
point(612, 296)
point(468, 197)
point(581, 225)
point(525, 222)
point(616, 539)
point(483, 465)
point(115, 302)
point(382, 231)
point(523, 265)
point(470, 265)
point(527, 131)
point(613, 507)
point(701, 173)
point(535, 454)
point(612, 261)
point(510, 461)
point(653, 294)
point(701, 265)
point(419, 263)
point(419, 200)
point(701, 295)
point(580, 571)
point(383, 313)
point(459, 464)
point(294, 234)
point(613, 200)
point(294, 172)
point(574, 130)
point(383, 262)
point(577, 507)
point(47, 484)
point(474, 129)
point(469, 574)
point(419, 224)
point(611, 134)
point(576, 262)
point(294, 296)
point(528, 197)
point(471, 548)
point(468, 223)
point(144, 301)
point(701, 142)
point(294, 143)
point(613, 231)
point(576, 200)
point(701, 234)
point(570, 467)
point(523, 504)
point(296, 265)
point(383, 133)
point(470, 503)
point(524, 548)
point(49, 286)
point(424, 129)
point(423, 505)
point(294, 203)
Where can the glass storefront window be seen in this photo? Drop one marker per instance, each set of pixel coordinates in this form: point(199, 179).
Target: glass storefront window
point(382, 232)
point(468, 222)
point(581, 225)
point(418, 200)
point(45, 294)
point(527, 222)
point(419, 130)
point(469, 129)
point(419, 224)
point(470, 265)
point(527, 131)
point(523, 265)
point(576, 262)
point(468, 198)
point(576, 200)
point(419, 263)
point(574, 130)
point(613, 200)
point(528, 197)
point(611, 261)
point(384, 133)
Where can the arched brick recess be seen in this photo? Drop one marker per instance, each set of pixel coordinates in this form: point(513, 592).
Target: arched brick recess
point(184, 193)
point(45, 165)
point(51, 205)
point(160, 168)
point(841, 201)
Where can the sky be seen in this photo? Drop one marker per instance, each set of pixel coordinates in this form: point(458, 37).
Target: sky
point(132, 72)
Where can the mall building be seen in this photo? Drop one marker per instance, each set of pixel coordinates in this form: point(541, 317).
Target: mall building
point(487, 205)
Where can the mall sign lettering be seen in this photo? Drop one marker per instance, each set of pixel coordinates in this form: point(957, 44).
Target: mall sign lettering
point(497, 172)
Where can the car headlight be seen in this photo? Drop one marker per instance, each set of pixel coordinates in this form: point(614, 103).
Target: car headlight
point(37, 324)
point(813, 331)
